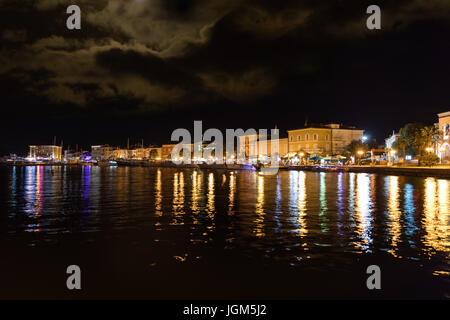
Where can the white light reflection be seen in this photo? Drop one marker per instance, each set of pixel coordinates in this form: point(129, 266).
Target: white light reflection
point(363, 211)
point(259, 228)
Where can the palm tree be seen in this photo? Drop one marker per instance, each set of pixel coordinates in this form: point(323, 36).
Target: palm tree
point(403, 141)
point(431, 135)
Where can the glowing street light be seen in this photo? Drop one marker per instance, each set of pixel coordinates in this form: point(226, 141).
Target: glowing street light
point(429, 149)
point(359, 153)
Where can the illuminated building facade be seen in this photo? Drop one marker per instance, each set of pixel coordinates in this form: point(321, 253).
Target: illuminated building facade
point(253, 147)
point(52, 153)
point(120, 154)
point(443, 145)
point(166, 151)
point(152, 153)
point(101, 152)
point(323, 139)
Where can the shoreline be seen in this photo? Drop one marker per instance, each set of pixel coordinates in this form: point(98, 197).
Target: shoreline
point(403, 171)
point(440, 172)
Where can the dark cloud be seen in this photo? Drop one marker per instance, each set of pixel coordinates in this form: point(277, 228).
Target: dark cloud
point(160, 51)
point(154, 57)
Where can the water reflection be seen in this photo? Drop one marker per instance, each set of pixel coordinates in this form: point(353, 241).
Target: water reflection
point(231, 193)
point(86, 188)
point(394, 213)
point(278, 205)
point(409, 208)
point(301, 202)
point(158, 193)
point(435, 220)
point(340, 203)
point(407, 216)
point(363, 212)
point(323, 203)
point(259, 210)
point(211, 195)
point(178, 193)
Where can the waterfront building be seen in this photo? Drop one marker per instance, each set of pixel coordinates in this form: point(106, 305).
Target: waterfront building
point(71, 156)
point(255, 147)
point(45, 153)
point(166, 150)
point(101, 152)
point(443, 145)
point(325, 139)
point(120, 154)
point(141, 153)
point(153, 153)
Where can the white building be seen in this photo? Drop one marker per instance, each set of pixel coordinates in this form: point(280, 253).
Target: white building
point(443, 145)
point(390, 140)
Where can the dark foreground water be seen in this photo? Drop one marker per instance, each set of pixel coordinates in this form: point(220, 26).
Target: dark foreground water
point(168, 233)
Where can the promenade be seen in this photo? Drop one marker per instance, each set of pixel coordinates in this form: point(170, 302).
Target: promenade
point(441, 171)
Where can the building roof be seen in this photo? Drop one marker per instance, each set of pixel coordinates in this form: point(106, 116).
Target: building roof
point(444, 114)
point(326, 126)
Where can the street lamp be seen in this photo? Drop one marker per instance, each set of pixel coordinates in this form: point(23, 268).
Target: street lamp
point(392, 152)
point(359, 153)
point(301, 154)
point(429, 149)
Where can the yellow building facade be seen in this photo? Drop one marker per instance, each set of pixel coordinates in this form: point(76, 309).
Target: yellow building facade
point(153, 153)
point(324, 139)
point(254, 148)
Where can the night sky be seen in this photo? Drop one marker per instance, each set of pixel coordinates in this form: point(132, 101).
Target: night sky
point(140, 69)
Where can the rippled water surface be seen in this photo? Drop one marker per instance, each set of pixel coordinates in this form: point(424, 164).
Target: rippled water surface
point(149, 232)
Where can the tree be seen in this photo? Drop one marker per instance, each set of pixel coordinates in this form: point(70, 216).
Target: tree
point(426, 137)
point(402, 142)
point(428, 159)
point(407, 139)
point(355, 146)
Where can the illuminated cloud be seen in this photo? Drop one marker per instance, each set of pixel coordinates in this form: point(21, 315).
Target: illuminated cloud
point(179, 52)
